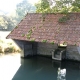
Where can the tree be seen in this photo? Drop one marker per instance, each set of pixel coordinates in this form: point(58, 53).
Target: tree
point(6, 23)
point(76, 3)
point(23, 8)
point(3, 23)
point(62, 6)
point(76, 6)
point(58, 6)
point(43, 7)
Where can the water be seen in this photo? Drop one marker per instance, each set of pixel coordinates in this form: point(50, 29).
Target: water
point(40, 68)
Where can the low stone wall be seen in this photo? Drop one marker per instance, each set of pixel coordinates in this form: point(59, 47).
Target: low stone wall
point(73, 53)
point(46, 48)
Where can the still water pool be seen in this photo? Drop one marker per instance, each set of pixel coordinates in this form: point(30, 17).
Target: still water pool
point(41, 68)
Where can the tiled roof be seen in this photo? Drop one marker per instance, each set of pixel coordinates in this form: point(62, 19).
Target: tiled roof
point(47, 28)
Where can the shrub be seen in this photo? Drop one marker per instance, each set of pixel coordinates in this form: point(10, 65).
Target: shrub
point(63, 19)
point(9, 44)
point(44, 41)
point(1, 50)
point(10, 50)
point(33, 40)
point(18, 51)
point(52, 42)
point(29, 34)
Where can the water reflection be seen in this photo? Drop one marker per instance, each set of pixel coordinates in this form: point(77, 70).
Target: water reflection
point(72, 69)
point(40, 68)
point(61, 74)
point(61, 70)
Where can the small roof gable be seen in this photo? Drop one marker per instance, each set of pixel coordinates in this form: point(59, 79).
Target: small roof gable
point(47, 28)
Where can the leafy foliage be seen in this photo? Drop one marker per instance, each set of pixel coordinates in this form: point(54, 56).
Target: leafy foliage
point(44, 41)
point(52, 42)
point(58, 6)
point(33, 40)
point(29, 34)
point(10, 21)
point(76, 6)
point(1, 50)
point(23, 8)
point(76, 3)
point(10, 50)
point(43, 7)
point(63, 19)
point(6, 23)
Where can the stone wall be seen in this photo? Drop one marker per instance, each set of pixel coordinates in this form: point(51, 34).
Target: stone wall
point(27, 48)
point(73, 53)
point(46, 48)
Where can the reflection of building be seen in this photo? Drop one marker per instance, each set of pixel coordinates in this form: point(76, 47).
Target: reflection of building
point(61, 65)
point(61, 78)
point(72, 69)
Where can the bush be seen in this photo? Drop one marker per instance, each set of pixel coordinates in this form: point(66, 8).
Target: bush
point(10, 50)
point(1, 50)
point(63, 19)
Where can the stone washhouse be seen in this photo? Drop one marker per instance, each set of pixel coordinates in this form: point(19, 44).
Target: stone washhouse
point(55, 35)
